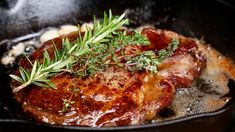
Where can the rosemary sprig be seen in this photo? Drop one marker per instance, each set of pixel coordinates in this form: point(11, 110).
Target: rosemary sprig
point(40, 72)
point(67, 56)
point(92, 52)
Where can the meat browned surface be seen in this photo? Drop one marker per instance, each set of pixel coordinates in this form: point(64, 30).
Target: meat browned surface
point(116, 96)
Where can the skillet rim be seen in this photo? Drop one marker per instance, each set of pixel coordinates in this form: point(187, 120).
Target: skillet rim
point(219, 112)
point(132, 127)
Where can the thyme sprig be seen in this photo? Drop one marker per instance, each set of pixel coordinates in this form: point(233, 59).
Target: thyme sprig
point(169, 50)
point(148, 60)
point(93, 51)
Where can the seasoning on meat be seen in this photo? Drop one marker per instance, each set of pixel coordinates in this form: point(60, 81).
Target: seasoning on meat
point(106, 76)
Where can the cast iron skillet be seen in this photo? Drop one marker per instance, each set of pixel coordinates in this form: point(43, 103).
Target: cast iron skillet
point(212, 20)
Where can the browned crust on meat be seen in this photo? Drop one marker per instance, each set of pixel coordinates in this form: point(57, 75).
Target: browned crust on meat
point(116, 96)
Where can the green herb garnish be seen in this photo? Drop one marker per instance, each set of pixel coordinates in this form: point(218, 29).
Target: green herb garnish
point(93, 52)
point(75, 89)
point(66, 105)
point(69, 54)
point(148, 60)
point(144, 61)
point(164, 53)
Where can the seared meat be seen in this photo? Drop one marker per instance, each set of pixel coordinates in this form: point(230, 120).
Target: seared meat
point(116, 96)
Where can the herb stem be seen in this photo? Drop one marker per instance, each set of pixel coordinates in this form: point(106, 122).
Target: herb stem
point(21, 87)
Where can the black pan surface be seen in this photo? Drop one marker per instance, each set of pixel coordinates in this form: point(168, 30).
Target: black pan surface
point(212, 20)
